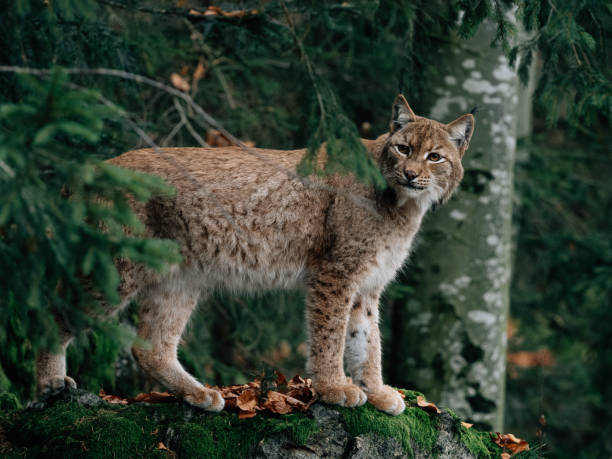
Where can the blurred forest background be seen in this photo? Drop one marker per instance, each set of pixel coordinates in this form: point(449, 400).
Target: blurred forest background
point(121, 74)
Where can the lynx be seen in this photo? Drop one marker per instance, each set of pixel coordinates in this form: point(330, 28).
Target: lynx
point(246, 225)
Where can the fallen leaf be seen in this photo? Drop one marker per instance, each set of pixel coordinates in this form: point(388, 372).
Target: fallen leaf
point(246, 414)
point(467, 425)
point(247, 400)
point(160, 445)
point(277, 403)
point(112, 398)
point(511, 443)
point(179, 82)
point(504, 456)
point(153, 397)
point(280, 379)
point(427, 406)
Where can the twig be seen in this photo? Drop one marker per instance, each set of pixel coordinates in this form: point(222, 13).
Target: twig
point(188, 125)
point(177, 127)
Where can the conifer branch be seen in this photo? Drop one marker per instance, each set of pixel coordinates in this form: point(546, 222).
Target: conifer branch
point(365, 203)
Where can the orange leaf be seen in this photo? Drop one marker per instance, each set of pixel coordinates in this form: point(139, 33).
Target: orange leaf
point(510, 443)
point(215, 138)
point(160, 445)
point(247, 401)
point(112, 398)
point(467, 425)
point(530, 359)
point(246, 414)
point(198, 74)
point(280, 379)
point(504, 456)
point(277, 403)
point(179, 82)
point(427, 406)
point(153, 397)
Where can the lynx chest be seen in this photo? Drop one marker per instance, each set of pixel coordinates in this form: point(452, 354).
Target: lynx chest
point(385, 263)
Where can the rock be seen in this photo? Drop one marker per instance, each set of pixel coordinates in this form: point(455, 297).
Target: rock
point(330, 441)
point(68, 394)
point(73, 420)
point(373, 446)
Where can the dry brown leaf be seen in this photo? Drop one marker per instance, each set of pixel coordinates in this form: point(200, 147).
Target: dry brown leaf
point(216, 11)
point(160, 445)
point(277, 403)
point(467, 425)
point(280, 379)
point(215, 138)
point(247, 400)
point(530, 359)
point(504, 456)
point(510, 442)
point(198, 74)
point(246, 414)
point(179, 82)
point(153, 397)
point(194, 12)
point(112, 398)
point(427, 406)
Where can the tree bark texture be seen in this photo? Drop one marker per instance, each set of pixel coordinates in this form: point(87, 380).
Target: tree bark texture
point(451, 331)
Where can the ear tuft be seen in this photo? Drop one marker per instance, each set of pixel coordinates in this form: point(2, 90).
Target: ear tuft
point(401, 114)
point(461, 131)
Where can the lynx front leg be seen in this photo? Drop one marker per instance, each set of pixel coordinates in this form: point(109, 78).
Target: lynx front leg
point(51, 369)
point(363, 355)
point(165, 310)
point(328, 308)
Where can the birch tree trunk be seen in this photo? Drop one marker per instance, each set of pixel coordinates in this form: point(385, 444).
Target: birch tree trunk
point(451, 331)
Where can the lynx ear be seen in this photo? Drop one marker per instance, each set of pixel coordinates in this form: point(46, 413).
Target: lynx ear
point(401, 115)
point(461, 132)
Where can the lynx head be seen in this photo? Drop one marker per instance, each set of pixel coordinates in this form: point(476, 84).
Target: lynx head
point(421, 158)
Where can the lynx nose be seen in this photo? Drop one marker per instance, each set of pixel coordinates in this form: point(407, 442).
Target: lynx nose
point(410, 175)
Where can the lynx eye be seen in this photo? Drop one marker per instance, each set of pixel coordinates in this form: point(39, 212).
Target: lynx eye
point(434, 157)
point(403, 149)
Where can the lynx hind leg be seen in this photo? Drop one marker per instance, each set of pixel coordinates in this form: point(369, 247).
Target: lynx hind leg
point(51, 370)
point(363, 356)
point(165, 309)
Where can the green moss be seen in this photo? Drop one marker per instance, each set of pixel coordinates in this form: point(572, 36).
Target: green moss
point(9, 401)
point(225, 436)
point(71, 430)
point(478, 443)
point(413, 426)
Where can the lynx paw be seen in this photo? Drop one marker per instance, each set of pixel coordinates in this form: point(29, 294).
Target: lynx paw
point(56, 384)
point(348, 395)
point(388, 400)
point(207, 399)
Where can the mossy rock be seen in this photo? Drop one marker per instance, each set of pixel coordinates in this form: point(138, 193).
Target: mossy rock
point(77, 424)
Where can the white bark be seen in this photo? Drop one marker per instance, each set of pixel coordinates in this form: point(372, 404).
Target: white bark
point(455, 335)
